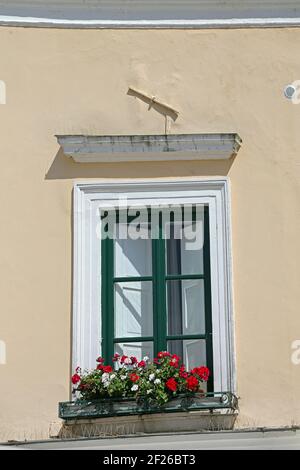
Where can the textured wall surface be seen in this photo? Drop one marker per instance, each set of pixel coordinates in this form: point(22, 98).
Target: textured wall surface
point(71, 82)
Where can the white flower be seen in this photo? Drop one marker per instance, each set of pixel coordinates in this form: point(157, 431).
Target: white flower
point(134, 388)
point(157, 381)
point(146, 358)
point(106, 384)
point(105, 377)
point(123, 377)
point(149, 391)
point(151, 377)
point(112, 376)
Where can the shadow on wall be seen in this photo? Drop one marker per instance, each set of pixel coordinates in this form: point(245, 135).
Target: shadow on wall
point(64, 167)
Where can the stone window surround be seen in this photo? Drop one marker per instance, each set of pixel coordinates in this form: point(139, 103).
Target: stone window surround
point(88, 198)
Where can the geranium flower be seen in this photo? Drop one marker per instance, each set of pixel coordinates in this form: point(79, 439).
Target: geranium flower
point(75, 379)
point(134, 377)
point(202, 372)
point(174, 362)
point(133, 359)
point(192, 383)
point(175, 357)
point(105, 377)
point(162, 354)
point(182, 372)
point(99, 359)
point(157, 381)
point(107, 369)
point(134, 388)
point(123, 359)
point(171, 384)
point(142, 364)
point(151, 377)
point(116, 357)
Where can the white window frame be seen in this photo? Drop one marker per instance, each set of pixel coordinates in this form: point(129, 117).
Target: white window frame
point(88, 198)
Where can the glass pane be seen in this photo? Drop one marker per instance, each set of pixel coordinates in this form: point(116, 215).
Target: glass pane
point(139, 350)
point(133, 309)
point(185, 307)
point(191, 351)
point(184, 247)
point(133, 257)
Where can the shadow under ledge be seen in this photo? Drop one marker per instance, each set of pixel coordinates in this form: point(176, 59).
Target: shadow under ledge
point(64, 167)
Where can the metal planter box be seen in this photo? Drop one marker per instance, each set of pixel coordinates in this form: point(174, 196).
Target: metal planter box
point(108, 407)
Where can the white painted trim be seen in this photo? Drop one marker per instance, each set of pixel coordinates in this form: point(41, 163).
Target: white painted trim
point(230, 23)
point(88, 197)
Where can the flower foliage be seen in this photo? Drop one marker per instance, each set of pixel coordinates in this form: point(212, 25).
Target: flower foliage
point(158, 381)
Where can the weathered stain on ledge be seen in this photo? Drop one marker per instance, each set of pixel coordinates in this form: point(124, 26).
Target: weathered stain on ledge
point(89, 148)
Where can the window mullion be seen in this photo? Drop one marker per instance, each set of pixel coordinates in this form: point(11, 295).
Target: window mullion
point(107, 298)
point(159, 292)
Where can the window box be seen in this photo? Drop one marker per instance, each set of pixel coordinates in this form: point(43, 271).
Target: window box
point(215, 411)
point(82, 409)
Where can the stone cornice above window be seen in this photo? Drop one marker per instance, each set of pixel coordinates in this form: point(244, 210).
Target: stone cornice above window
point(87, 149)
point(150, 13)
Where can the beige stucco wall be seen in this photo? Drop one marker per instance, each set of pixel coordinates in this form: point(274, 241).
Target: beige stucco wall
point(64, 82)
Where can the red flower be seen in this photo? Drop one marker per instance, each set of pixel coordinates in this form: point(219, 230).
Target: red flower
point(75, 379)
point(175, 357)
point(107, 369)
point(100, 359)
point(133, 360)
point(192, 383)
point(116, 357)
point(160, 354)
point(174, 363)
point(171, 384)
point(134, 377)
point(99, 367)
point(123, 359)
point(182, 372)
point(202, 372)
point(142, 364)
point(156, 361)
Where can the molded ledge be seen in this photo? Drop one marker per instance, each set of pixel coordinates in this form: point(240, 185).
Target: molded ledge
point(141, 148)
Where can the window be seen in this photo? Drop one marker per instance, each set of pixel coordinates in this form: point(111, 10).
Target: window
point(139, 296)
point(156, 291)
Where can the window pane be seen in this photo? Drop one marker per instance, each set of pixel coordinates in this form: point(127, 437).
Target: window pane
point(185, 307)
point(133, 309)
point(184, 247)
point(139, 350)
point(133, 257)
point(192, 351)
